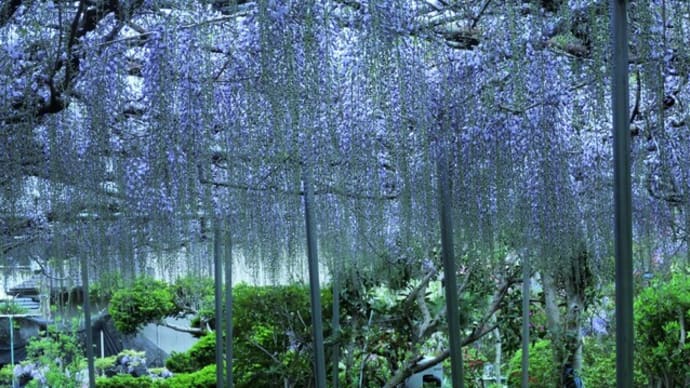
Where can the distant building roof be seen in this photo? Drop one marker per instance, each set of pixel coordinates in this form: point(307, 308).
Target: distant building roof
point(32, 285)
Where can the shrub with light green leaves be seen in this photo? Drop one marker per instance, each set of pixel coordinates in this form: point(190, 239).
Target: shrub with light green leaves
point(599, 364)
point(147, 300)
point(201, 354)
point(125, 381)
point(10, 307)
point(541, 366)
point(272, 337)
point(662, 320)
point(204, 378)
point(6, 374)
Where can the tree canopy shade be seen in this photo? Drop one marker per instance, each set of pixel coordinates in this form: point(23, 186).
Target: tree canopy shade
point(127, 126)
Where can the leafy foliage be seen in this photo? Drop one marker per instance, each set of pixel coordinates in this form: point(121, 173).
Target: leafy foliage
point(125, 381)
point(146, 300)
point(662, 319)
point(272, 337)
point(6, 374)
point(203, 378)
point(101, 364)
point(272, 327)
point(55, 359)
point(106, 286)
point(599, 365)
point(10, 307)
point(541, 366)
point(194, 294)
point(201, 354)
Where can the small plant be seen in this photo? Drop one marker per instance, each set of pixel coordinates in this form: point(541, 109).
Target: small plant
point(11, 308)
point(55, 359)
point(102, 364)
point(6, 374)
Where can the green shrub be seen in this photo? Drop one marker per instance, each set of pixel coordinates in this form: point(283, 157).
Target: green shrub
point(272, 337)
point(56, 357)
point(599, 364)
point(194, 294)
point(661, 310)
point(541, 366)
point(201, 354)
point(272, 330)
point(598, 369)
point(10, 307)
point(6, 374)
point(101, 364)
point(204, 378)
point(125, 381)
point(147, 300)
point(179, 362)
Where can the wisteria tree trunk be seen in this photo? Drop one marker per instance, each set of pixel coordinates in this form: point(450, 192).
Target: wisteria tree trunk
point(565, 298)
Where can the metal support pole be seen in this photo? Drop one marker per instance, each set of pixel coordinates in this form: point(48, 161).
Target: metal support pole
point(14, 382)
point(218, 294)
point(525, 321)
point(336, 324)
point(87, 321)
point(449, 269)
point(622, 197)
point(228, 308)
point(314, 287)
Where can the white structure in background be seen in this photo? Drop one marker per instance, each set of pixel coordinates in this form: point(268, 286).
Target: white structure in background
point(432, 375)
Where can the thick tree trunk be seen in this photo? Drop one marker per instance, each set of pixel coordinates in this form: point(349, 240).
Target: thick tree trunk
point(564, 320)
point(553, 315)
point(499, 353)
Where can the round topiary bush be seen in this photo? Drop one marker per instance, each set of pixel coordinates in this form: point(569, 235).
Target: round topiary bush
point(147, 300)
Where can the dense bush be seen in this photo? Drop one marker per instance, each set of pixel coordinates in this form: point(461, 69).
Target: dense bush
point(662, 320)
point(6, 376)
point(272, 337)
point(55, 359)
point(599, 364)
point(541, 366)
point(180, 362)
point(10, 307)
point(147, 300)
point(272, 330)
point(125, 381)
point(204, 378)
point(194, 294)
point(201, 354)
point(598, 369)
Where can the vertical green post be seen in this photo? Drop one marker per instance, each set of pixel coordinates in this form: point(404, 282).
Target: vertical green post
point(622, 196)
point(228, 307)
point(449, 268)
point(526, 272)
point(336, 323)
point(314, 287)
point(14, 380)
point(87, 320)
point(218, 295)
